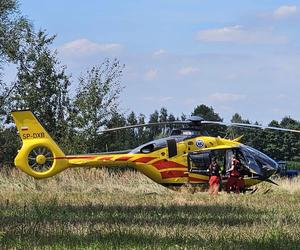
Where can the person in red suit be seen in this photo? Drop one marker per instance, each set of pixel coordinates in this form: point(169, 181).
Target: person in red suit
point(214, 180)
point(234, 182)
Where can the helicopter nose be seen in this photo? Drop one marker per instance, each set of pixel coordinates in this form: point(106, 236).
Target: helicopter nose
point(271, 168)
point(260, 163)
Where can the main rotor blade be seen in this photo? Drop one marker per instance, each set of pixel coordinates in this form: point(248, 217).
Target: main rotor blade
point(246, 125)
point(144, 125)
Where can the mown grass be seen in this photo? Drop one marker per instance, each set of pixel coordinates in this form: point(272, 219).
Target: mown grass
point(95, 209)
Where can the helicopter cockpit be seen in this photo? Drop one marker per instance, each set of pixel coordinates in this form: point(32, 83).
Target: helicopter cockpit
point(253, 162)
point(158, 144)
point(258, 162)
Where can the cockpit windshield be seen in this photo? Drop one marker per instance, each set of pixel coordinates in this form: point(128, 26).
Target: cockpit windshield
point(258, 162)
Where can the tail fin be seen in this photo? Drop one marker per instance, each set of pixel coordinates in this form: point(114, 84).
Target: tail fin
point(39, 153)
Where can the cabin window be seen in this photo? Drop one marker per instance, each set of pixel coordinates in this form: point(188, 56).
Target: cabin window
point(199, 162)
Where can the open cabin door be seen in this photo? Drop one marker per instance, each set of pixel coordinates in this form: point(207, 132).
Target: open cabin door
point(252, 162)
point(198, 163)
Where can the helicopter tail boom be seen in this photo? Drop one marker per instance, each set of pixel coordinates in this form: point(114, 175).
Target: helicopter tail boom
point(39, 156)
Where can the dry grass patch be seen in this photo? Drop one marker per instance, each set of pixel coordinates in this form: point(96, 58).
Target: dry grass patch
point(97, 209)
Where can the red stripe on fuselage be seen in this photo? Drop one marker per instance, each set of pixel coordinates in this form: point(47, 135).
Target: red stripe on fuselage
point(123, 158)
point(144, 159)
point(163, 164)
point(173, 174)
point(106, 158)
point(74, 157)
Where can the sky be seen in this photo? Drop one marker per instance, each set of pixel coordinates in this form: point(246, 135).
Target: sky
point(236, 56)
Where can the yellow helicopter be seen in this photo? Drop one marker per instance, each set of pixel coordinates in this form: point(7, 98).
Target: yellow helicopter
point(180, 159)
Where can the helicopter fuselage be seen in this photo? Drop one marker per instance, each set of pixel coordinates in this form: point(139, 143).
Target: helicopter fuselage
point(173, 161)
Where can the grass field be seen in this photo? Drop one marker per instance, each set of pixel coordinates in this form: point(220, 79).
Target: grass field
point(95, 209)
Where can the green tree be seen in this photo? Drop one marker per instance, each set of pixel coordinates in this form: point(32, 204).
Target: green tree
point(154, 131)
point(13, 30)
point(115, 140)
point(143, 133)
point(234, 132)
point(42, 84)
point(132, 134)
point(273, 142)
point(208, 113)
point(96, 102)
point(9, 146)
point(183, 117)
point(171, 118)
point(291, 141)
point(163, 117)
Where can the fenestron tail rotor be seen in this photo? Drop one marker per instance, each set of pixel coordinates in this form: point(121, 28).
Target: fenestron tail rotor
point(39, 156)
point(40, 159)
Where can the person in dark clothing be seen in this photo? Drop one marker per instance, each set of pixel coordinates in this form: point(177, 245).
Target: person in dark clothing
point(214, 180)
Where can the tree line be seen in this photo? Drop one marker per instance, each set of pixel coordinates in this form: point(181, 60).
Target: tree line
point(43, 85)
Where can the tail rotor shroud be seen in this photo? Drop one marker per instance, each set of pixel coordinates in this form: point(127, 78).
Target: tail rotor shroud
point(40, 159)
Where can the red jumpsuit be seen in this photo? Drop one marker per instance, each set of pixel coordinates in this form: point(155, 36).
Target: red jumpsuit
point(234, 182)
point(214, 180)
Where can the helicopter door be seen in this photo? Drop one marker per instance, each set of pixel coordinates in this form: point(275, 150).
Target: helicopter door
point(229, 154)
point(244, 168)
point(199, 162)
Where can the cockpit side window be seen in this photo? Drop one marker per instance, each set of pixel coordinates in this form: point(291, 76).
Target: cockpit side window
point(156, 145)
point(147, 149)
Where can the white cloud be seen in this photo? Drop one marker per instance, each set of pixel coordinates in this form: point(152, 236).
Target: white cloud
point(226, 97)
point(151, 74)
point(159, 53)
point(188, 71)
point(85, 46)
point(238, 34)
point(285, 11)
